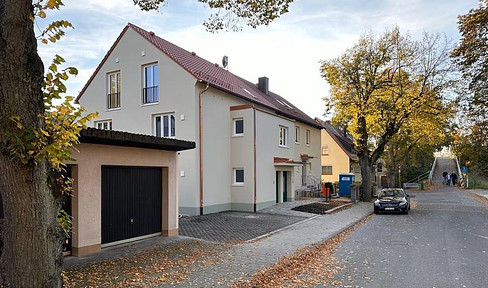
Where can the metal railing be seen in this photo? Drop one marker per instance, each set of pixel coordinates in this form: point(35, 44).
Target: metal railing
point(113, 100)
point(432, 170)
point(420, 177)
point(150, 95)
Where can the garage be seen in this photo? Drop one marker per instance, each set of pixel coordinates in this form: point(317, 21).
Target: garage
point(125, 188)
point(131, 203)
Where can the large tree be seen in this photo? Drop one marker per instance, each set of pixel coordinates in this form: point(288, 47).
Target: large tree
point(382, 82)
point(472, 57)
point(32, 237)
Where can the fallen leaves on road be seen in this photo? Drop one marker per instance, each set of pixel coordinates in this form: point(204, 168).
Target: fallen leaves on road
point(307, 267)
point(168, 263)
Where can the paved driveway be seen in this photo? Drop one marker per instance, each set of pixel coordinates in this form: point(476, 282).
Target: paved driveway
point(233, 226)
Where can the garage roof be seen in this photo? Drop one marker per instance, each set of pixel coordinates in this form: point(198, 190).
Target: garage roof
point(125, 139)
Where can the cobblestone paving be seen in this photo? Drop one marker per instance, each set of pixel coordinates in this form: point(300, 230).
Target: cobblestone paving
point(232, 226)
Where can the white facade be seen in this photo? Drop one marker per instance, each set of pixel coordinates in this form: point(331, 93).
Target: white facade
point(237, 170)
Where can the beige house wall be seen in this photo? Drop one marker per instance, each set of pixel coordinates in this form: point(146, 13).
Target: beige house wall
point(179, 93)
point(86, 200)
point(336, 158)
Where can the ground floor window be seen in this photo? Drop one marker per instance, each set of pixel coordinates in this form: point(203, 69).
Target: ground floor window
point(238, 176)
point(326, 170)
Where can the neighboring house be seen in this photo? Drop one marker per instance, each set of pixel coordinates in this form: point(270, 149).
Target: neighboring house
point(337, 154)
point(254, 148)
point(125, 188)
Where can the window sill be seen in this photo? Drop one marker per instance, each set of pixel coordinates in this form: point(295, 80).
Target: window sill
point(237, 135)
point(281, 146)
point(149, 104)
point(238, 185)
point(113, 109)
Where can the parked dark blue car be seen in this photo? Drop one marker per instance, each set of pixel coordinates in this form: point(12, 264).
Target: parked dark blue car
point(391, 200)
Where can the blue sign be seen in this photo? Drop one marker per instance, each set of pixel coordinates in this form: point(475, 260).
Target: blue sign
point(464, 169)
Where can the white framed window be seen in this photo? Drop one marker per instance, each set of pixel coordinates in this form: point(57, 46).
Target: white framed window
point(238, 177)
point(104, 125)
point(150, 84)
point(325, 150)
point(164, 125)
point(326, 170)
point(238, 127)
point(297, 134)
point(307, 139)
point(113, 93)
point(283, 137)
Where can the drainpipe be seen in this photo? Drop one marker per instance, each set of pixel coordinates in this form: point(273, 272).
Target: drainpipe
point(255, 172)
point(200, 142)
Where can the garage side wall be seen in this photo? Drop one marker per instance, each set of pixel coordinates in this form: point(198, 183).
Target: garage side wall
point(86, 200)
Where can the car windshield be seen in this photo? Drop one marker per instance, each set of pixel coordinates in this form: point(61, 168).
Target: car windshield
point(394, 193)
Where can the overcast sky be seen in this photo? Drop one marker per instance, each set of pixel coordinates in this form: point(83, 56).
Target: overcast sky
point(287, 52)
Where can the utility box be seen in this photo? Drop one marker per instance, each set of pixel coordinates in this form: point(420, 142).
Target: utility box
point(345, 181)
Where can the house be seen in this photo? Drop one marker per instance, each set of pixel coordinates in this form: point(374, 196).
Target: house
point(124, 188)
point(254, 148)
point(337, 153)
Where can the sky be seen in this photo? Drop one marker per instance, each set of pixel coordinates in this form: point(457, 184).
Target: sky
point(288, 51)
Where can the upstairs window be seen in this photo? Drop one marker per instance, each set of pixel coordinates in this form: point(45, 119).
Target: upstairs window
point(104, 125)
point(150, 84)
point(113, 95)
point(307, 137)
point(297, 134)
point(238, 127)
point(283, 140)
point(164, 126)
point(325, 150)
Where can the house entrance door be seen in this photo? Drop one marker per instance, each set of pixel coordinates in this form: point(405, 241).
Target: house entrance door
point(285, 186)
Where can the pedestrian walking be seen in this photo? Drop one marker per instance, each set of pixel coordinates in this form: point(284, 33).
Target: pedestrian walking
point(444, 174)
point(454, 178)
point(448, 179)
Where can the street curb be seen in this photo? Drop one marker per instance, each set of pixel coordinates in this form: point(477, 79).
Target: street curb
point(308, 219)
point(337, 208)
point(280, 229)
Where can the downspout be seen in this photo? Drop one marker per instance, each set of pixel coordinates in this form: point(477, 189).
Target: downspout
point(255, 172)
point(200, 142)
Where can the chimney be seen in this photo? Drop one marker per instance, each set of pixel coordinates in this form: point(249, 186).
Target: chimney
point(263, 85)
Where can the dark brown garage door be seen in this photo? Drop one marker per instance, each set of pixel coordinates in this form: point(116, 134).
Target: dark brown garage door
point(131, 202)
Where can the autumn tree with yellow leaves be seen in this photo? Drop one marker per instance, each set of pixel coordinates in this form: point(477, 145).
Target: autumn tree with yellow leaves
point(36, 136)
point(381, 84)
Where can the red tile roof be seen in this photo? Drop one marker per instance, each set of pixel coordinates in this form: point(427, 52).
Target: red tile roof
point(216, 76)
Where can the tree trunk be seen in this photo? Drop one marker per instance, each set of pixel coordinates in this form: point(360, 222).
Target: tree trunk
point(32, 238)
point(365, 163)
point(392, 169)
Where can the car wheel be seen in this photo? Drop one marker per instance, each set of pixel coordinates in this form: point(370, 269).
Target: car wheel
point(376, 211)
point(405, 211)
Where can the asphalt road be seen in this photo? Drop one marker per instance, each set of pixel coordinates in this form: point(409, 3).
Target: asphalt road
point(443, 242)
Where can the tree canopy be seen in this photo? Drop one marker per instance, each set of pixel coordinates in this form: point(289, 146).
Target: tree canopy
point(472, 56)
point(383, 82)
point(233, 14)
